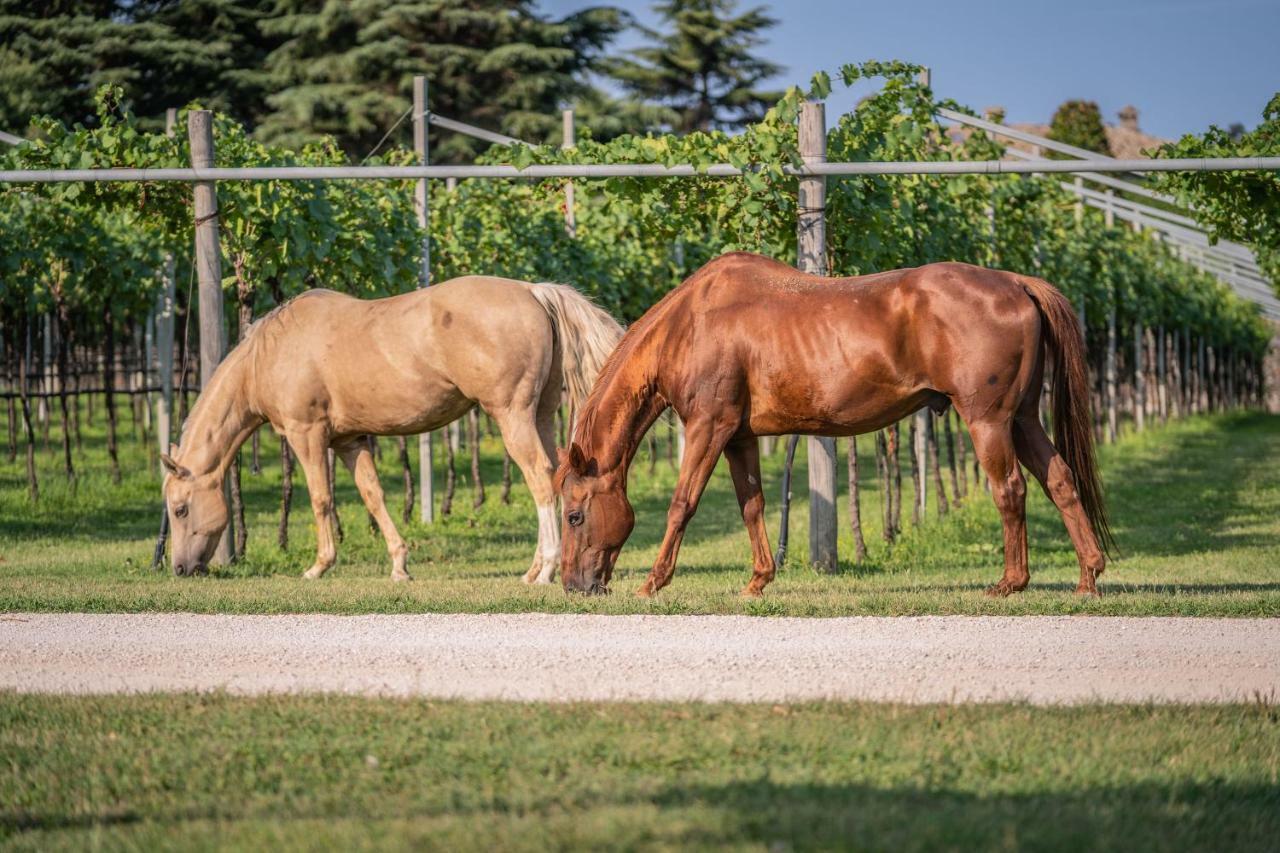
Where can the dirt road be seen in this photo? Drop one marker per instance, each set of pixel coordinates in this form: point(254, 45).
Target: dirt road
point(1044, 660)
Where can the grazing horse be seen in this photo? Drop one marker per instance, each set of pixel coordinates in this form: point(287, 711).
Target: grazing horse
point(326, 370)
point(748, 346)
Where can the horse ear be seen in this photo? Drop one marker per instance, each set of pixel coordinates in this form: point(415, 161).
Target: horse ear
point(577, 459)
point(173, 467)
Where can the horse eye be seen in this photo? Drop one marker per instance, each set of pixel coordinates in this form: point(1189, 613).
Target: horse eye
point(575, 518)
point(180, 511)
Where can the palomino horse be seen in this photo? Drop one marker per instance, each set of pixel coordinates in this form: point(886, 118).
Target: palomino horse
point(327, 370)
point(748, 346)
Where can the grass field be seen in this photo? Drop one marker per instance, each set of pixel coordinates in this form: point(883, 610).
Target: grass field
point(1196, 507)
point(326, 772)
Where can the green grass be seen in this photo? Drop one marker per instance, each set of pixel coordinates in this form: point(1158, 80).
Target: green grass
point(1196, 507)
point(328, 772)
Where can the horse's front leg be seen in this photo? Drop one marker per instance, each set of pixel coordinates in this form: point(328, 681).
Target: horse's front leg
point(359, 461)
point(312, 449)
point(704, 441)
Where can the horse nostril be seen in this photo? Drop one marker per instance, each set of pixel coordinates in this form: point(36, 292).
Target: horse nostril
point(179, 569)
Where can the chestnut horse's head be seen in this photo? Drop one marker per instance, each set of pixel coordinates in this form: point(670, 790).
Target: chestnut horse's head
point(197, 516)
point(597, 521)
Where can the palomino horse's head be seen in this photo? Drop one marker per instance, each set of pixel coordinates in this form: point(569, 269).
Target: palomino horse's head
point(597, 521)
point(197, 516)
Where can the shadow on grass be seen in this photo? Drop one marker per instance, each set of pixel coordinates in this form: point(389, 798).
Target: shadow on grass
point(1211, 815)
point(1160, 509)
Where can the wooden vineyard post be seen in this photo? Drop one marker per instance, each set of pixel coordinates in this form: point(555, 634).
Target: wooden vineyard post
point(164, 336)
point(1139, 377)
point(1079, 212)
point(811, 253)
point(1109, 371)
point(568, 141)
point(213, 332)
point(426, 490)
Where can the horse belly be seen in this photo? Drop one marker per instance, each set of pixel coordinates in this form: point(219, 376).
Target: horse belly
point(846, 408)
point(396, 406)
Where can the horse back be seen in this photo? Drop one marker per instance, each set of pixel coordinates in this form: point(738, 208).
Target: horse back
point(403, 363)
point(841, 354)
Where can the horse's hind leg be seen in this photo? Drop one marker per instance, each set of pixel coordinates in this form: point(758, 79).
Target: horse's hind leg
point(359, 461)
point(529, 437)
point(744, 464)
point(993, 442)
point(312, 449)
point(1046, 465)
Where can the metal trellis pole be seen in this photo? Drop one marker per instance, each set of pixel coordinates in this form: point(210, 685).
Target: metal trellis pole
point(426, 483)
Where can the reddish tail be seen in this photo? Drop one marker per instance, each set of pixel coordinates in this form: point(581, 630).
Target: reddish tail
point(1072, 417)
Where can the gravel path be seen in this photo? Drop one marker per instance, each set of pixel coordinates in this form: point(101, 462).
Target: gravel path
point(1045, 660)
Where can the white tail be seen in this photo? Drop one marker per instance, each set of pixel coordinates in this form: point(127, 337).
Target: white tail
point(586, 335)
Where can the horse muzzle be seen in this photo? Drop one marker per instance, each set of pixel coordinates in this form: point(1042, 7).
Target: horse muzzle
point(189, 570)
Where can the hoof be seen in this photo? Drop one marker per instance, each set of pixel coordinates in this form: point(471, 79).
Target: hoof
point(401, 576)
point(645, 591)
point(752, 592)
point(313, 573)
point(1088, 591)
point(1004, 589)
point(531, 576)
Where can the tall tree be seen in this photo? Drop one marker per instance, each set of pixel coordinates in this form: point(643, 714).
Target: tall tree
point(704, 67)
point(1079, 123)
point(1240, 206)
point(164, 53)
point(346, 69)
point(604, 116)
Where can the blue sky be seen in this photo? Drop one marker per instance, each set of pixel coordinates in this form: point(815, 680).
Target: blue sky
point(1185, 64)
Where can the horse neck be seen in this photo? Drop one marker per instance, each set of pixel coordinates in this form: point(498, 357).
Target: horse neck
point(611, 430)
point(221, 420)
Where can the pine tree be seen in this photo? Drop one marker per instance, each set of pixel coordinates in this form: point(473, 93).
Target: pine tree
point(346, 69)
point(164, 53)
point(1079, 123)
point(232, 28)
point(605, 117)
point(704, 68)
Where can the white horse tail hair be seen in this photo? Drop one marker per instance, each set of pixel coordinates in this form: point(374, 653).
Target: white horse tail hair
point(585, 333)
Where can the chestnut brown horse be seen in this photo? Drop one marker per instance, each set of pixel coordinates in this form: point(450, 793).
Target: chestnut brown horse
point(747, 346)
